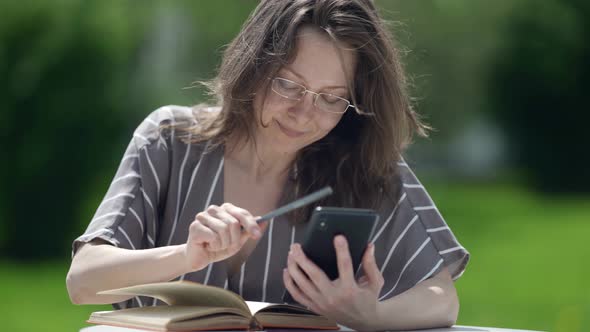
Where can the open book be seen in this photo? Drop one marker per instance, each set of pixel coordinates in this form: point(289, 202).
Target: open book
point(193, 306)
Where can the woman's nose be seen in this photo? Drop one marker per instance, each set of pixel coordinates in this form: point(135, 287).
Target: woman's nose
point(306, 105)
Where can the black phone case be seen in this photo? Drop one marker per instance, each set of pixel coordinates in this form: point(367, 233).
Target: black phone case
point(357, 225)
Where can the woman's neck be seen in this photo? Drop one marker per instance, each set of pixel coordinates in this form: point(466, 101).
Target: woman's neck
point(258, 162)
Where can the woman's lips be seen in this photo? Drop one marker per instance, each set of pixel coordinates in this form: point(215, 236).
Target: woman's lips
point(290, 132)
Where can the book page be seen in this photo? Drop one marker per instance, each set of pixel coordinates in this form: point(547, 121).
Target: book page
point(173, 317)
point(162, 315)
point(271, 315)
point(256, 307)
point(185, 293)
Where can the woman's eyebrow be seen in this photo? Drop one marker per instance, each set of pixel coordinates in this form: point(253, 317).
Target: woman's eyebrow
point(303, 79)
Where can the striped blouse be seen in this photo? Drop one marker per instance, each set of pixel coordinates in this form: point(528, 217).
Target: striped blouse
point(162, 183)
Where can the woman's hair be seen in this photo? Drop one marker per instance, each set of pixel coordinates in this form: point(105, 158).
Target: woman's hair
point(358, 158)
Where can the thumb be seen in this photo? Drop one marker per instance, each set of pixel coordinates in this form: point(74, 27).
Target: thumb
point(243, 239)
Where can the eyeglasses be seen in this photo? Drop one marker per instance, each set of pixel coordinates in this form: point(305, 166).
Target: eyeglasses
point(324, 101)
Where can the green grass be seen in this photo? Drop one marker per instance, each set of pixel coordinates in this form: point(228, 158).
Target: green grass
point(530, 262)
point(529, 268)
point(34, 298)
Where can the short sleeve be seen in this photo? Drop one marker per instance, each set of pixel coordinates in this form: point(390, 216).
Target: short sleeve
point(412, 240)
point(127, 217)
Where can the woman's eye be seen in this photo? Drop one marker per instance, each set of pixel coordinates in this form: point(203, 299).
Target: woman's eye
point(288, 85)
point(331, 99)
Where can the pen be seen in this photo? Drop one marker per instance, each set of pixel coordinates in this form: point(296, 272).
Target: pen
point(315, 196)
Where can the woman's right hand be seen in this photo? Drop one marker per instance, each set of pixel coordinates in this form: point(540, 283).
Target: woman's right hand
point(217, 234)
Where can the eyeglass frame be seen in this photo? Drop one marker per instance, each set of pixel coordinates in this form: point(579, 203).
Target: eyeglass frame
point(305, 91)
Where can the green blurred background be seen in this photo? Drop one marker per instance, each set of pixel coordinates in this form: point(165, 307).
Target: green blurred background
point(503, 82)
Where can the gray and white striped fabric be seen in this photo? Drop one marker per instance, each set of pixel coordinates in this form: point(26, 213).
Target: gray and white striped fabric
point(162, 183)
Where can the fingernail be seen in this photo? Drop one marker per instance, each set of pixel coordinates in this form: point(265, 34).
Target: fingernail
point(256, 232)
point(339, 241)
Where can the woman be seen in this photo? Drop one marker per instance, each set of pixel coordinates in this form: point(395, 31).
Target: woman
point(311, 93)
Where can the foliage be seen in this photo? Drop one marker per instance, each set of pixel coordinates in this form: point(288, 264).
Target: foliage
point(66, 70)
point(539, 84)
point(77, 78)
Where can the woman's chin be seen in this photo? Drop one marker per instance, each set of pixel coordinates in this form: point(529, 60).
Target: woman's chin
point(286, 145)
point(286, 148)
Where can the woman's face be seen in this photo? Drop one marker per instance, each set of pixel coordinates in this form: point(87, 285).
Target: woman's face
point(320, 66)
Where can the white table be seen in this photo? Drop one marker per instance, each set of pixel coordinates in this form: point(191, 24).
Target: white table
point(456, 328)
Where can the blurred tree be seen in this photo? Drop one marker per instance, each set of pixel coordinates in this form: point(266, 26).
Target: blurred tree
point(447, 47)
point(538, 84)
point(65, 69)
point(77, 78)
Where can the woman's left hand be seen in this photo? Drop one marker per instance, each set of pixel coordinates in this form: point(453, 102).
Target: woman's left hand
point(347, 301)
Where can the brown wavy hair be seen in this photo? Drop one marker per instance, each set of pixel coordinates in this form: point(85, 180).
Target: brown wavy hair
point(358, 157)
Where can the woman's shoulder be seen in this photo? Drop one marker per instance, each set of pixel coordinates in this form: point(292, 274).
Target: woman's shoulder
point(171, 114)
point(410, 185)
point(168, 122)
point(403, 184)
point(180, 114)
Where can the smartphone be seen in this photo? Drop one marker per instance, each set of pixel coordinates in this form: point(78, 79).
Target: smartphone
point(357, 226)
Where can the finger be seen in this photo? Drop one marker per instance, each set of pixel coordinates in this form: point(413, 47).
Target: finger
point(294, 290)
point(244, 237)
point(314, 273)
point(344, 261)
point(304, 284)
point(203, 236)
point(218, 226)
point(245, 218)
point(233, 227)
point(263, 224)
point(363, 281)
point(374, 276)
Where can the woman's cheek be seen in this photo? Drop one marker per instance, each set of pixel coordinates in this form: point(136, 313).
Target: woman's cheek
point(329, 122)
point(269, 109)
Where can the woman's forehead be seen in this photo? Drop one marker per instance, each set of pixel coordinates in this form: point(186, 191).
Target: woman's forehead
point(319, 60)
point(326, 84)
